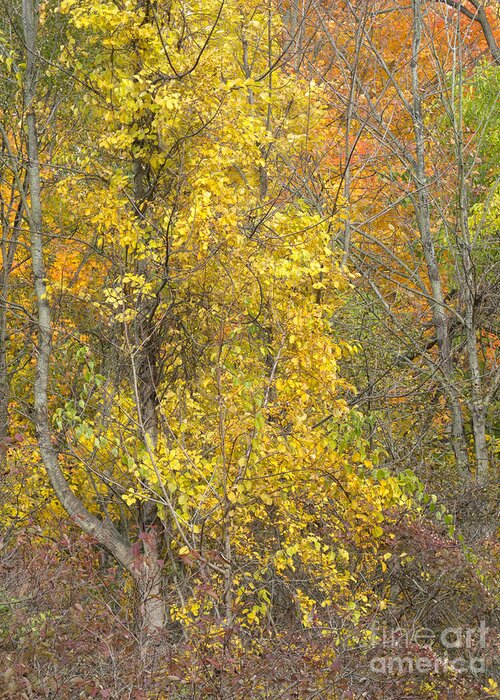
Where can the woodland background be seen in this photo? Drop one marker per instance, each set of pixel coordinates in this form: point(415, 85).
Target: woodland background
point(248, 347)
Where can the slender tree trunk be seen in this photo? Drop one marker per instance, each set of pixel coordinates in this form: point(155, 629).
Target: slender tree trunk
point(296, 29)
point(7, 251)
point(478, 16)
point(105, 533)
point(477, 404)
point(4, 375)
point(149, 577)
point(144, 355)
point(152, 603)
point(8, 248)
point(144, 569)
point(482, 18)
point(348, 148)
point(422, 210)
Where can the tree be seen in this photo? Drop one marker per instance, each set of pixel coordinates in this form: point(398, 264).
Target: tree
point(196, 302)
point(235, 214)
point(407, 283)
point(478, 13)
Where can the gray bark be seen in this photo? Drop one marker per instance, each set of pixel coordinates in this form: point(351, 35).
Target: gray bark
point(478, 406)
point(143, 569)
point(145, 377)
point(422, 211)
point(4, 376)
point(348, 149)
point(482, 18)
point(10, 235)
point(478, 16)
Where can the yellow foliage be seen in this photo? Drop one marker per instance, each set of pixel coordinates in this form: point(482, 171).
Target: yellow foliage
point(195, 224)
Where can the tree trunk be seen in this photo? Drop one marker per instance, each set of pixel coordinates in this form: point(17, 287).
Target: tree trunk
point(150, 588)
point(4, 376)
point(482, 18)
point(10, 234)
point(478, 16)
point(145, 377)
point(477, 406)
point(143, 569)
point(422, 210)
point(149, 578)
